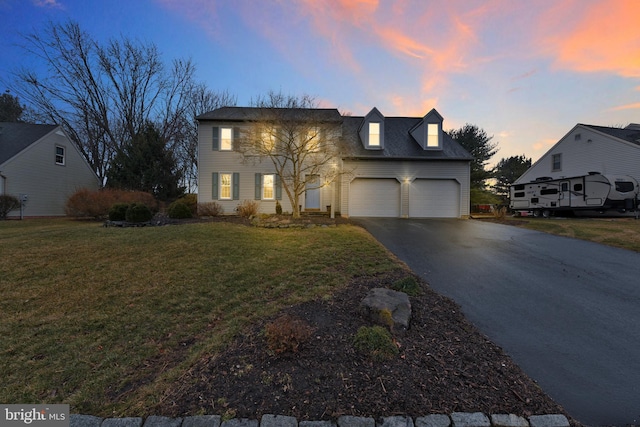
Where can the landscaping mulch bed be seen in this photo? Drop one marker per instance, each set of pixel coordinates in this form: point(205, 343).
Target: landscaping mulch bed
point(444, 365)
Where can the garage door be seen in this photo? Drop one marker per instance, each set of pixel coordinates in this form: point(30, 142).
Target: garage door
point(374, 197)
point(434, 198)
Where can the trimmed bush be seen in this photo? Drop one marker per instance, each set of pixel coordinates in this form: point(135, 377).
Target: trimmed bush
point(138, 212)
point(286, 333)
point(278, 208)
point(376, 342)
point(8, 203)
point(247, 209)
point(178, 210)
point(210, 209)
point(96, 204)
point(191, 201)
point(118, 212)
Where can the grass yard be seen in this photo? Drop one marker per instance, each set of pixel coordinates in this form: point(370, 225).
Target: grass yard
point(102, 318)
point(619, 232)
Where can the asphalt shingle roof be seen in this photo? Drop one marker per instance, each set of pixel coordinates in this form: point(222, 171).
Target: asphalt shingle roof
point(398, 142)
point(15, 137)
point(629, 134)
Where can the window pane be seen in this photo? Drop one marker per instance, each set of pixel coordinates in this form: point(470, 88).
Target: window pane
point(226, 135)
point(268, 140)
point(432, 135)
point(267, 187)
point(225, 186)
point(374, 134)
point(60, 155)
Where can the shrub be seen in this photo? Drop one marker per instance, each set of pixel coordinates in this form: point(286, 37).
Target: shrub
point(96, 204)
point(7, 204)
point(409, 285)
point(178, 210)
point(286, 333)
point(278, 208)
point(210, 209)
point(247, 209)
point(190, 201)
point(499, 213)
point(118, 212)
point(376, 342)
point(137, 212)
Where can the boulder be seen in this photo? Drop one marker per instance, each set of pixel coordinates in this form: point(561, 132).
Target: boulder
point(380, 302)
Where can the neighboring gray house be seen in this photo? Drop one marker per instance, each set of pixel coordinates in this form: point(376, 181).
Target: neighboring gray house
point(588, 148)
point(42, 164)
point(391, 167)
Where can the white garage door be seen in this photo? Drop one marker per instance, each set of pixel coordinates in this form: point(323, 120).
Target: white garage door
point(374, 197)
point(434, 198)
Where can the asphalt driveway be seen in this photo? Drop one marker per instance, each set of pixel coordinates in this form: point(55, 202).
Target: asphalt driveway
point(567, 311)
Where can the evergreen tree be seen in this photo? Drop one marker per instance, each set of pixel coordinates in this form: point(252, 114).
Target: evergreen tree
point(10, 108)
point(479, 145)
point(145, 164)
point(507, 171)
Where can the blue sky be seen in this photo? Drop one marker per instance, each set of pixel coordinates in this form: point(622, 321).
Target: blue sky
point(525, 71)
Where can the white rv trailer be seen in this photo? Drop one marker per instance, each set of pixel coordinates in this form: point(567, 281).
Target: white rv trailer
point(602, 194)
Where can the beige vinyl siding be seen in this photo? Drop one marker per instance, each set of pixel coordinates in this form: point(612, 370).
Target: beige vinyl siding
point(34, 172)
point(210, 161)
point(604, 154)
point(405, 172)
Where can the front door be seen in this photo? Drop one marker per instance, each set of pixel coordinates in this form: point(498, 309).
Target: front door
point(312, 193)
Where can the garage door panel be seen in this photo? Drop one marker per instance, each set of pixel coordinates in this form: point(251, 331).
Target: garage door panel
point(433, 198)
point(374, 197)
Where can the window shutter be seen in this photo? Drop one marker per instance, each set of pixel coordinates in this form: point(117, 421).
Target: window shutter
point(216, 138)
point(278, 188)
point(258, 186)
point(236, 185)
point(214, 188)
point(236, 139)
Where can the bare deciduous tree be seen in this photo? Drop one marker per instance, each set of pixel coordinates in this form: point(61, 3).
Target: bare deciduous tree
point(302, 141)
point(103, 94)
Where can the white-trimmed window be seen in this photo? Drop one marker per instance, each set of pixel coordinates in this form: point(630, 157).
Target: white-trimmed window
point(312, 140)
point(268, 187)
point(268, 139)
point(226, 139)
point(556, 162)
point(433, 135)
point(374, 134)
point(225, 186)
point(60, 155)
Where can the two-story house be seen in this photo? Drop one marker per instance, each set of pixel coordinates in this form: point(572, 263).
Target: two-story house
point(383, 167)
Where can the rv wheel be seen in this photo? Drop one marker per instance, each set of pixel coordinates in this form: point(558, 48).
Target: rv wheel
point(546, 213)
point(536, 214)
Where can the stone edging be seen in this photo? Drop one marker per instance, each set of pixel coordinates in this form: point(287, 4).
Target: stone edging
point(456, 419)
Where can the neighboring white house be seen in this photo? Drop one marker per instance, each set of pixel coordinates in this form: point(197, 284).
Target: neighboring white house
point(41, 164)
point(588, 148)
point(390, 167)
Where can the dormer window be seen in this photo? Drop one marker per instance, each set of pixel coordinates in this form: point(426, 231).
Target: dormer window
point(433, 135)
point(371, 130)
point(374, 134)
point(428, 131)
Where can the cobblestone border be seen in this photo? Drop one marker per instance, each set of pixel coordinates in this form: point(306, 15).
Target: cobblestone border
point(456, 419)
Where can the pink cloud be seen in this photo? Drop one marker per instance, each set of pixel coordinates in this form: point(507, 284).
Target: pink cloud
point(597, 37)
point(634, 106)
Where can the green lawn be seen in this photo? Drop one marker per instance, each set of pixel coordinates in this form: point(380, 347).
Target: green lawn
point(104, 318)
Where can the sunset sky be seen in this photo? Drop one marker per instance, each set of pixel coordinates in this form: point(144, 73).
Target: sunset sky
point(524, 71)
